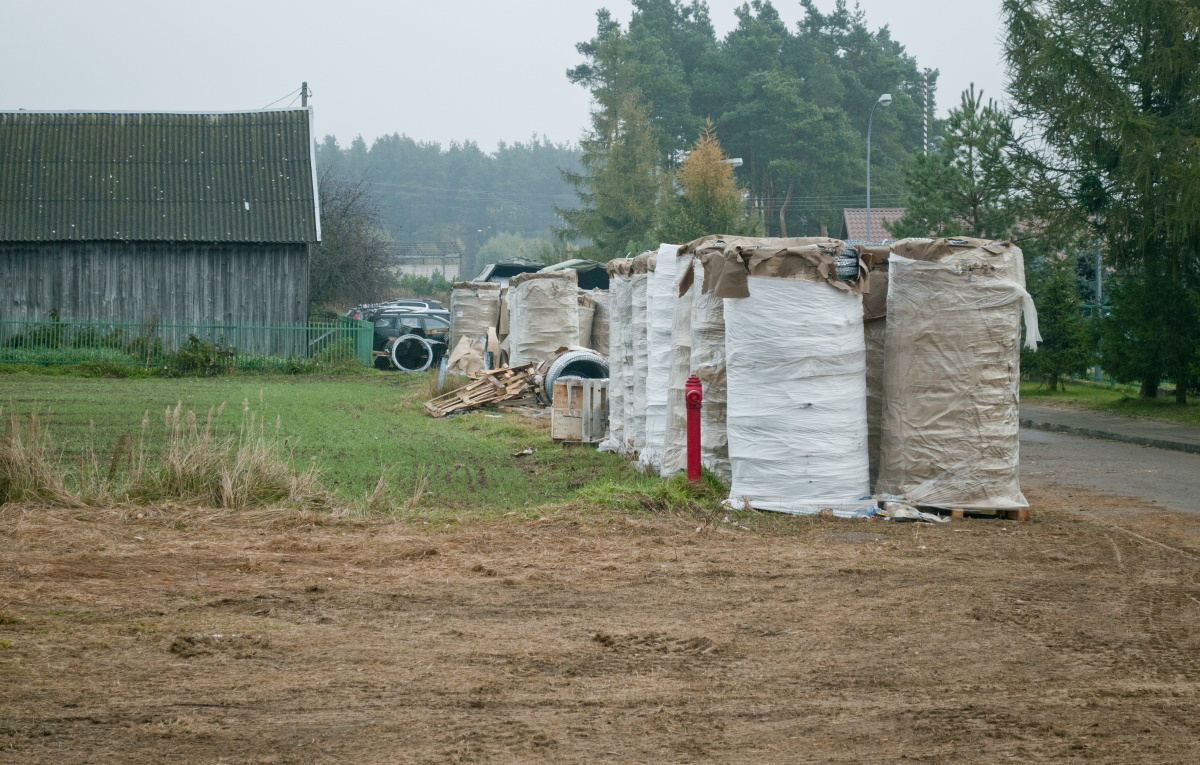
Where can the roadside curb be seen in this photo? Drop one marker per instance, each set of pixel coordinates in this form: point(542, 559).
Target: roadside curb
point(1177, 446)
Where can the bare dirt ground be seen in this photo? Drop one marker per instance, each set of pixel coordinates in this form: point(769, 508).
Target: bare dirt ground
point(589, 637)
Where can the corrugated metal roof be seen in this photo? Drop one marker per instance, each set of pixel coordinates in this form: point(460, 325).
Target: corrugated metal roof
point(854, 222)
point(229, 177)
point(427, 250)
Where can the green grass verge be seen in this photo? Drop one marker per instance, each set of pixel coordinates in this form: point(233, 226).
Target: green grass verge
point(1112, 398)
point(357, 428)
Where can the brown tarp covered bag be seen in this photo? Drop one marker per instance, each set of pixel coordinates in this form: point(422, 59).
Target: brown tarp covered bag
point(952, 373)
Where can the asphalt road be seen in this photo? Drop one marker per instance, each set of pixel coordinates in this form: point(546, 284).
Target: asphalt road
point(1169, 478)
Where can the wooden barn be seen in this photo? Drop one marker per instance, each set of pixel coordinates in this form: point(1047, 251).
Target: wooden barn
point(174, 218)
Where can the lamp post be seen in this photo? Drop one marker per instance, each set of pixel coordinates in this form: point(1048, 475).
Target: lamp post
point(885, 99)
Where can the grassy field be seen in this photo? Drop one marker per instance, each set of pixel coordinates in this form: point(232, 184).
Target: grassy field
point(357, 429)
point(1112, 398)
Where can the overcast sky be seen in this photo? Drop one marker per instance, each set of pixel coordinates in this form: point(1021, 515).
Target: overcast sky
point(448, 70)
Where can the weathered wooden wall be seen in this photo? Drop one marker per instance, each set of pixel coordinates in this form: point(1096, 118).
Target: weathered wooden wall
point(177, 282)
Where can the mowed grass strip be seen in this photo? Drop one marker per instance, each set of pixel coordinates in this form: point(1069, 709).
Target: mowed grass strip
point(355, 428)
point(1114, 399)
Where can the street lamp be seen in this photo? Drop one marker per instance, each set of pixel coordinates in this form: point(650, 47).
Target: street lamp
point(885, 99)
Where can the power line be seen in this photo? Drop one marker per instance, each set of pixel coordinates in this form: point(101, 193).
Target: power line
point(277, 100)
point(485, 194)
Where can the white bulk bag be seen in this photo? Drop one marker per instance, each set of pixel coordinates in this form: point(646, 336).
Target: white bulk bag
point(619, 311)
point(661, 291)
point(636, 407)
point(675, 442)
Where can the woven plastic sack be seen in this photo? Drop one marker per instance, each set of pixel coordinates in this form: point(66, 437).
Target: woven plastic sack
point(587, 313)
point(619, 309)
point(636, 411)
point(543, 315)
point(708, 363)
point(474, 307)
point(952, 374)
point(675, 451)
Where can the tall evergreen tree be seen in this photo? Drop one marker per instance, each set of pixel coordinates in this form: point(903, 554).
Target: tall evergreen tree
point(619, 183)
point(967, 186)
point(1064, 348)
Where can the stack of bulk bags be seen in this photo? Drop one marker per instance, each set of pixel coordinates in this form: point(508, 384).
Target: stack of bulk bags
point(675, 443)
point(952, 373)
point(661, 292)
point(635, 391)
point(543, 315)
point(797, 411)
point(874, 327)
point(600, 321)
point(474, 308)
point(620, 354)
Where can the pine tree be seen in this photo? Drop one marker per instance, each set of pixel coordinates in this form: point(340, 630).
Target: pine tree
point(709, 200)
point(967, 186)
point(1109, 90)
point(619, 182)
point(1064, 347)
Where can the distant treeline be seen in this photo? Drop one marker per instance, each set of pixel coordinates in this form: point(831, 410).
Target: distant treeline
point(792, 102)
point(429, 192)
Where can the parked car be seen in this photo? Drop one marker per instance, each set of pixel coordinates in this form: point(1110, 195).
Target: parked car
point(392, 323)
point(365, 312)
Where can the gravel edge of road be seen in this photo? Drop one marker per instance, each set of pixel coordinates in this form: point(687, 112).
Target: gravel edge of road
point(1054, 427)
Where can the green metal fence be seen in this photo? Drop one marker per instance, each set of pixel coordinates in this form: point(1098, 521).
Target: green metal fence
point(215, 347)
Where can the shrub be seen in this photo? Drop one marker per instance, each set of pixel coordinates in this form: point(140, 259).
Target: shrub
point(199, 357)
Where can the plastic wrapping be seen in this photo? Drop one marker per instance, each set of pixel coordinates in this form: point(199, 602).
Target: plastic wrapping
point(708, 363)
point(952, 374)
point(797, 414)
point(600, 320)
point(474, 307)
point(635, 405)
point(543, 315)
point(675, 442)
point(661, 296)
point(619, 309)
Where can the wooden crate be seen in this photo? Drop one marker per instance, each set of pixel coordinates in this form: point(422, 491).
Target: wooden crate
point(580, 412)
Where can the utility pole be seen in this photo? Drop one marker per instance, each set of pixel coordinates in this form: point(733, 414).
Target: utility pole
point(1097, 373)
point(925, 122)
point(304, 95)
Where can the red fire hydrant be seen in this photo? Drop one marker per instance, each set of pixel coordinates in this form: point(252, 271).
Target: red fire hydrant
point(693, 397)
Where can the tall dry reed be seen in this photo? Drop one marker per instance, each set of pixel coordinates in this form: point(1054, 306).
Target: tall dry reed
point(197, 464)
point(30, 470)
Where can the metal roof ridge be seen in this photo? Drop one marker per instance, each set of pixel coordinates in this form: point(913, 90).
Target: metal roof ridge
point(153, 111)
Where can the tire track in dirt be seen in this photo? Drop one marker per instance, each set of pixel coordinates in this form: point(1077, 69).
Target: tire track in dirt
point(1157, 598)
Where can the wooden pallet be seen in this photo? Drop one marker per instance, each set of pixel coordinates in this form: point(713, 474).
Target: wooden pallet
point(490, 387)
point(1012, 515)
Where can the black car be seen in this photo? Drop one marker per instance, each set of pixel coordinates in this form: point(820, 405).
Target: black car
point(393, 323)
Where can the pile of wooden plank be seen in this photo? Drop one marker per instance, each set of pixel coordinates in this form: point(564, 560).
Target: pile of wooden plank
point(511, 385)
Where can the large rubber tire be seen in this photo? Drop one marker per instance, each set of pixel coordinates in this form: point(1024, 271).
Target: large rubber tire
point(582, 364)
point(411, 353)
